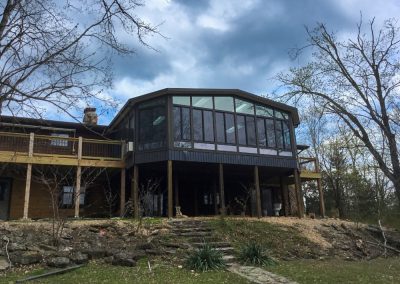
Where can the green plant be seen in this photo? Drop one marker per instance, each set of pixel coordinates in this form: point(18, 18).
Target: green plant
point(205, 258)
point(255, 254)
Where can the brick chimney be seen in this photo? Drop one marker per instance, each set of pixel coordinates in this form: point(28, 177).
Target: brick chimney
point(90, 117)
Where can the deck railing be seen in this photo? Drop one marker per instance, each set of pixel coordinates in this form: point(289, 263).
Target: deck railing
point(60, 146)
point(309, 164)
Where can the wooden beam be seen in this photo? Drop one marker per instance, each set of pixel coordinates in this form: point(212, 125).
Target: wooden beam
point(221, 188)
point(135, 191)
point(299, 199)
point(285, 196)
point(170, 193)
point(258, 193)
point(77, 191)
point(28, 177)
point(78, 179)
point(122, 193)
point(321, 199)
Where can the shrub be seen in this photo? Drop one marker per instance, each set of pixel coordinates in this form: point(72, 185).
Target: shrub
point(205, 258)
point(255, 254)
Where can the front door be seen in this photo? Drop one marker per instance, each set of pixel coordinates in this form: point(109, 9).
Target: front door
point(5, 193)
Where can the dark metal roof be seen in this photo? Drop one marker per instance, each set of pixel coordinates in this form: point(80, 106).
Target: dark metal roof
point(51, 123)
point(198, 91)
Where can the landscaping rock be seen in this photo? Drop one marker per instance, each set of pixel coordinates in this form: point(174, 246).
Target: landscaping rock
point(16, 247)
point(59, 262)
point(26, 257)
point(79, 257)
point(3, 263)
point(123, 259)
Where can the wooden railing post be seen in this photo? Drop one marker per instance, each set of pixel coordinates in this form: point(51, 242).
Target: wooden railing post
point(28, 177)
point(78, 178)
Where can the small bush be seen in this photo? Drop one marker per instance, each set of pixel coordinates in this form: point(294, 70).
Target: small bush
point(255, 254)
point(205, 258)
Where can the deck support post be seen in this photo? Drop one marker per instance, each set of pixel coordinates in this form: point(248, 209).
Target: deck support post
point(285, 196)
point(258, 193)
point(28, 178)
point(78, 179)
point(170, 193)
point(321, 199)
point(299, 197)
point(221, 188)
point(122, 193)
point(214, 188)
point(135, 191)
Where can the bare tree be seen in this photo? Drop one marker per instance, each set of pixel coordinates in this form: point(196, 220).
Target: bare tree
point(58, 53)
point(357, 81)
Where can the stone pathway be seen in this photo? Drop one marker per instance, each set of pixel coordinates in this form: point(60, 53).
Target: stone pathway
point(196, 232)
point(258, 275)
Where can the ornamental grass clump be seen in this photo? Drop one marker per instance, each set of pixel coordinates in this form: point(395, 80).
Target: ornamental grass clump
point(254, 254)
point(205, 258)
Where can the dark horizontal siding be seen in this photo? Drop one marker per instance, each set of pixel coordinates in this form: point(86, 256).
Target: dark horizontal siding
point(215, 157)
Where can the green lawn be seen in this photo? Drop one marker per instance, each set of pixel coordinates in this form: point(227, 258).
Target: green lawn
point(102, 273)
point(380, 271)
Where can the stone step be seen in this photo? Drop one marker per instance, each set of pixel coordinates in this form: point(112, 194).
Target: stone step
point(202, 239)
point(213, 244)
point(229, 258)
point(226, 249)
point(194, 234)
point(189, 230)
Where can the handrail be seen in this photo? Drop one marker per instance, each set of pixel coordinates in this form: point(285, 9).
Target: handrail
point(65, 146)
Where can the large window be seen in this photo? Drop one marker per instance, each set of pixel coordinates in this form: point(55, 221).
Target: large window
point(152, 125)
point(229, 121)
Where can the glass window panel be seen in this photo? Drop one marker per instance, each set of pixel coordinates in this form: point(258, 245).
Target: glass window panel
point(208, 126)
point(279, 134)
point(251, 131)
point(264, 111)
point(262, 138)
point(177, 124)
point(197, 125)
point(152, 103)
point(230, 128)
point(181, 100)
point(269, 124)
point(185, 123)
point(280, 115)
point(241, 128)
point(286, 135)
point(152, 128)
point(224, 103)
point(219, 123)
point(244, 107)
point(204, 102)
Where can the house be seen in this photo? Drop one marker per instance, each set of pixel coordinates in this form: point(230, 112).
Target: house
point(190, 151)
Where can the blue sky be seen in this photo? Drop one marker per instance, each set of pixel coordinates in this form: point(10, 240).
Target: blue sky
point(230, 43)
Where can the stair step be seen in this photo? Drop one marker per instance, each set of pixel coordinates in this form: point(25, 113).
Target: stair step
point(213, 244)
point(229, 258)
point(226, 249)
point(202, 239)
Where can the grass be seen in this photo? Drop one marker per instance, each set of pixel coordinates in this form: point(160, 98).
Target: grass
point(279, 240)
point(254, 254)
point(380, 271)
point(102, 273)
